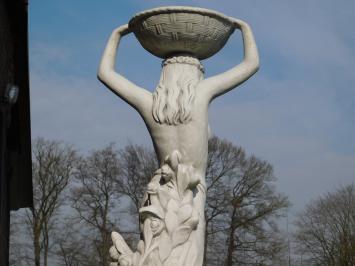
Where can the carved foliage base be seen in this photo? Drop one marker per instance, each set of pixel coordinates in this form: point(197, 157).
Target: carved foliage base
point(168, 220)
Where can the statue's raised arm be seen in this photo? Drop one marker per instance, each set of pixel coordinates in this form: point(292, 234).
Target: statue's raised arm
point(222, 83)
point(134, 95)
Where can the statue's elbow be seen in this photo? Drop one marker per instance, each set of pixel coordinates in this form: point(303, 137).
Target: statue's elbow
point(99, 76)
point(253, 66)
point(102, 74)
point(256, 67)
point(99, 73)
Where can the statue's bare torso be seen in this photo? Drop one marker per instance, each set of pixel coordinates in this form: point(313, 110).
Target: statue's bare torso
point(190, 139)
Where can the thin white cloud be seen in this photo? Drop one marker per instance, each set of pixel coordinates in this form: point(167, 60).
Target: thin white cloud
point(293, 127)
point(81, 111)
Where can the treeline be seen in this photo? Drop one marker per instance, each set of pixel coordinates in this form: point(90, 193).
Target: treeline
point(79, 199)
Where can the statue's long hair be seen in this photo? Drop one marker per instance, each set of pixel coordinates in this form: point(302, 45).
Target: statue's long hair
point(174, 96)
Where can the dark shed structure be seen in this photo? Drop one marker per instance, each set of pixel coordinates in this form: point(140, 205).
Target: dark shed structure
point(15, 133)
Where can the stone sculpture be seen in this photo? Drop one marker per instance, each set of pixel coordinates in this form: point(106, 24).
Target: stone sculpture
point(176, 115)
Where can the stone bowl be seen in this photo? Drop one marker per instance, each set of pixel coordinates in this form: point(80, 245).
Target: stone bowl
point(173, 30)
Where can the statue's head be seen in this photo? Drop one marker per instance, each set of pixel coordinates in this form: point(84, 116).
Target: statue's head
point(175, 93)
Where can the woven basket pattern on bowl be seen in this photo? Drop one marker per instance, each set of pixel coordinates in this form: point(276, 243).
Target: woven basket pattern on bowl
point(175, 26)
point(165, 34)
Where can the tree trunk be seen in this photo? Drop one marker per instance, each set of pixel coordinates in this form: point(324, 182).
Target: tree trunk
point(229, 256)
point(230, 248)
point(45, 244)
point(36, 245)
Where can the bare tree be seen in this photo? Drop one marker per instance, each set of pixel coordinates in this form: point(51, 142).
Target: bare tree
point(138, 165)
point(223, 161)
point(242, 207)
point(325, 230)
point(53, 164)
point(94, 198)
point(252, 211)
point(20, 245)
point(72, 245)
point(241, 210)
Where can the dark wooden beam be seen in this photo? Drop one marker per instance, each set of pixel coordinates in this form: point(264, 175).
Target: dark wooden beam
point(15, 133)
point(4, 187)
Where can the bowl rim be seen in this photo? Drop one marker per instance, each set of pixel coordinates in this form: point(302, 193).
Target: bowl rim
point(178, 9)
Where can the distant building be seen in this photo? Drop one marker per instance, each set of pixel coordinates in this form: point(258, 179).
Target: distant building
point(15, 132)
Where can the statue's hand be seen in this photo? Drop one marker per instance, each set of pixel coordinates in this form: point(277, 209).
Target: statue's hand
point(114, 256)
point(120, 244)
point(122, 30)
point(120, 252)
point(238, 23)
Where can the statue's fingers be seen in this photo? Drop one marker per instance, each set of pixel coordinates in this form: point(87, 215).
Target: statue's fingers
point(114, 253)
point(120, 243)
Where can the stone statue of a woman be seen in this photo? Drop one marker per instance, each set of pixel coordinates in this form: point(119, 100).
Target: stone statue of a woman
point(176, 115)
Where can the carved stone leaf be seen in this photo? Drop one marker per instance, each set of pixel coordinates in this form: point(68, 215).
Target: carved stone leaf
point(165, 195)
point(136, 258)
point(173, 205)
point(188, 197)
point(174, 159)
point(153, 185)
point(140, 247)
point(184, 213)
point(148, 235)
point(193, 221)
point(165, 246)
point(183, 178)
point(171, 221)
point(181, 235)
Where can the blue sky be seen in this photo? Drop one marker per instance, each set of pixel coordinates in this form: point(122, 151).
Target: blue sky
point(297, 112)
